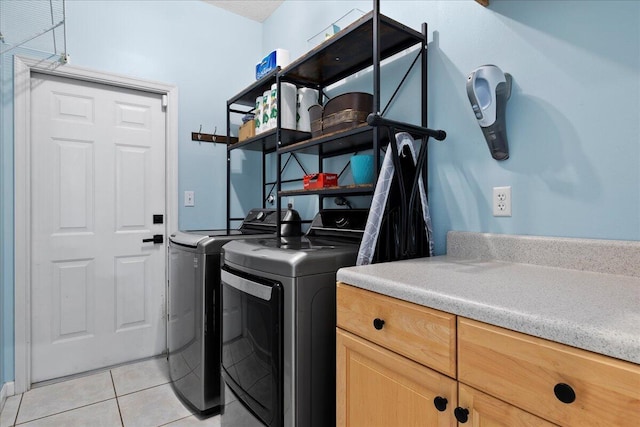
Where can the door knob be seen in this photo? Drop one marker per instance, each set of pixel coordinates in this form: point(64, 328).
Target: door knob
point(440, 403)
point(157, 238)
point(564, 393)
point(461, 414)
point(378, 323)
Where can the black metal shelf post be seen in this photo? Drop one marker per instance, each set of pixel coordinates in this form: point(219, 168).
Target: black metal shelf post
point(376, 85)
point(425, 104)
point(278, 155)
point(228, 204)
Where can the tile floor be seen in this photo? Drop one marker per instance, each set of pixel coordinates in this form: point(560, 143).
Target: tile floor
point(134, 395)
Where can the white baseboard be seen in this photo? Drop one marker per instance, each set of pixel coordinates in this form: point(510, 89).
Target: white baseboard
point(6, 391)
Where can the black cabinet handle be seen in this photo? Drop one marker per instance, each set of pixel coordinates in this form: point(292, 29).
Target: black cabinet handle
point(440, 403)
point(378, 323)
point(564, 393)
point(157, 238)
point(461, 414)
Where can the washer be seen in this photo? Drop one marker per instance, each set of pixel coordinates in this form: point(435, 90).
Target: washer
point(278, 340)
point(193, 329)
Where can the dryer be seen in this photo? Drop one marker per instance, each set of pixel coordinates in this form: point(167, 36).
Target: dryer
point(194, 309)
point(278, 339)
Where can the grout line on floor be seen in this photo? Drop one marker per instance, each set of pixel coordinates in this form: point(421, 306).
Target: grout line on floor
point(166, 424)
point(94, 371)
point(84, 374)
point(15, 419)
point(61, 412)
point(116, 395)
point(142, 389)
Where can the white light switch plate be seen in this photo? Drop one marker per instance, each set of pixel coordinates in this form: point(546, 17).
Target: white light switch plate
point(189, 198)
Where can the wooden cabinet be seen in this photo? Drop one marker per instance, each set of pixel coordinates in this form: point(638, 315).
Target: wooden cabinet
point(377, 387)
point(390, 373)
point(562, 384)
point(379, 380)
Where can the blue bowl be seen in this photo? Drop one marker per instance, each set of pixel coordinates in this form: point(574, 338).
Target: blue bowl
point(362, 168)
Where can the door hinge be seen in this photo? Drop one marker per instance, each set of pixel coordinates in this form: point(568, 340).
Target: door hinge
point(165, 101)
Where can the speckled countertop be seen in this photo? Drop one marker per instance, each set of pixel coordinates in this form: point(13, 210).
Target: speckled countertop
point(591, 310)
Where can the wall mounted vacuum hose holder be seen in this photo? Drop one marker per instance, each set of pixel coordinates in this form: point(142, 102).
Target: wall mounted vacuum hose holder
point(489, 89)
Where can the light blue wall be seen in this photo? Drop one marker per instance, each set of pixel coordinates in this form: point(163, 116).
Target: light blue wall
point(208, 53)
point(573, 120)
point(204, 50)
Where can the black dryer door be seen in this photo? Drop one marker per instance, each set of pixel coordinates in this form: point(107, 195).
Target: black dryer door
point(252, 343)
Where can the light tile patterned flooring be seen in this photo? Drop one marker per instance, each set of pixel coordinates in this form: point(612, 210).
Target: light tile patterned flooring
point(134, 395)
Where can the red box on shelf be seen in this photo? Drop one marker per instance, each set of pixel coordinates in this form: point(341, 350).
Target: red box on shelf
point(320, 180)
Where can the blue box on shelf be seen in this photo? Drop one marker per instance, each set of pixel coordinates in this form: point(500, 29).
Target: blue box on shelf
point(277, 58)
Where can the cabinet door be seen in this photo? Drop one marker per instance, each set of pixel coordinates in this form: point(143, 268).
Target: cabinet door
point(376, 387)
point(566, 385)
point(487, 411)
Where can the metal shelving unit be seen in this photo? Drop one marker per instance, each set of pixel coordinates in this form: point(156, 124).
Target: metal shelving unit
point(365, 43)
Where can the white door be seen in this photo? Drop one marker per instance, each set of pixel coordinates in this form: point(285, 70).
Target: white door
point(98, 179)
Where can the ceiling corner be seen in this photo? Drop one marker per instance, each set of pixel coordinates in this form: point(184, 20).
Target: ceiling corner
point(256, 10)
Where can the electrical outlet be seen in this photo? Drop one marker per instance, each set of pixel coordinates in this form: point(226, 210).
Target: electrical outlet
point(501, 201)
point(189, 198)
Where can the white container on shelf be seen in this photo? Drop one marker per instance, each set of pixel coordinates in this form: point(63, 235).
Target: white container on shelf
point(288, 105)
point(306, 98)
point(257, 119)
point(266, 111)
point(273, 106)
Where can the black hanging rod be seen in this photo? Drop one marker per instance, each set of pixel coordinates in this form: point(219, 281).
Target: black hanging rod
point(378, 120)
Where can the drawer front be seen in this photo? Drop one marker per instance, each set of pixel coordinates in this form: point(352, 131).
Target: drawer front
point(528, 372)
point(379, 388)
point(485, 410)
point(419, 333)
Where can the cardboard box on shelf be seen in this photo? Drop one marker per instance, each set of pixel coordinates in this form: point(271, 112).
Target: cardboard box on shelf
point(320, 180)
point(246, 131)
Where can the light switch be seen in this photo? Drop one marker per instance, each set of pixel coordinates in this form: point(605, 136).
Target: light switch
point(189, 198)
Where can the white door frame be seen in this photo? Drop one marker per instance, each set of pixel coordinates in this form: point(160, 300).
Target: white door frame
point(23, 68)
